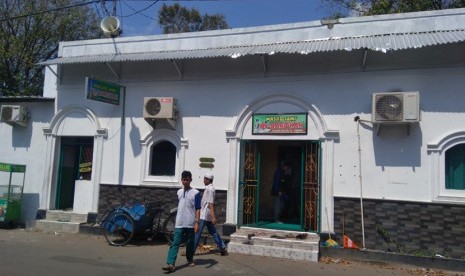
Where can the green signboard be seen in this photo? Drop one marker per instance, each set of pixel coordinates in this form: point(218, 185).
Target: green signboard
point(12, 168)
point(103, 91)
point(294, 123)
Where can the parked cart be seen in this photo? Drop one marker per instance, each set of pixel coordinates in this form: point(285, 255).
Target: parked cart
point(11, 193)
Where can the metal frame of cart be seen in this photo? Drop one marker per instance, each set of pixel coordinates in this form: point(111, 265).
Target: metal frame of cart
point(11, 192)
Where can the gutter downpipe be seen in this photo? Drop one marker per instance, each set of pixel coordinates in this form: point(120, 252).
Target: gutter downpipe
point(357, 119)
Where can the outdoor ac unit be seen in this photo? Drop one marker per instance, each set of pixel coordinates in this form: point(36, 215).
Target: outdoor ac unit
point(396, 107)
point(14, 115)
point(160, 108)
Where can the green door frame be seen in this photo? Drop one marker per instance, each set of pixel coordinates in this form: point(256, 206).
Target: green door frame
point(249, 185)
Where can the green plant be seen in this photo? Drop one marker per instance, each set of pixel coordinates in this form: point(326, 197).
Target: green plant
point(430, 254)
point(387, 238)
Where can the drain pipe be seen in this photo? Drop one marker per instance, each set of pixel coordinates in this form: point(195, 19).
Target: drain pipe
point(357, 119)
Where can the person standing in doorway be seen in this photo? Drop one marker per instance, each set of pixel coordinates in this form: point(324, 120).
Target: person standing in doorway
point(207, 215)
point(187, 222)
point(280, 190)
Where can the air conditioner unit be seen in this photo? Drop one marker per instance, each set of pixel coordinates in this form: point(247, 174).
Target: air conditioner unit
point(396, 107)
point(160, 108)
point(14, 115)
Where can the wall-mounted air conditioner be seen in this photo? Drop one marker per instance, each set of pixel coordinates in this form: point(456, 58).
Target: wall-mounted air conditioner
point(160, 108)
point(395, 107)
point(14, 115)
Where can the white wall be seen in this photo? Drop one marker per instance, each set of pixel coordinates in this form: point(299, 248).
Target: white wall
point(26, 146)
point(394, 165)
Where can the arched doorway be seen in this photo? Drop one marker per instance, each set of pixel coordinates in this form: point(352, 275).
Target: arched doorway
point(74, 147)
point(254, 158)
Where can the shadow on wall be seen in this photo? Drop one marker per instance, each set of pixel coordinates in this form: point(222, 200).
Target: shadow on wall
point(30, 204)
point(22, 136)
point(397, 146)
point(134, 136)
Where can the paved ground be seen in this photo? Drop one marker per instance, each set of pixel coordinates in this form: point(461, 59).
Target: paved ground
point(25, 252)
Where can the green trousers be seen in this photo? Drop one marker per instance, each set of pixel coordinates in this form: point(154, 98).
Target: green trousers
point(181, 235)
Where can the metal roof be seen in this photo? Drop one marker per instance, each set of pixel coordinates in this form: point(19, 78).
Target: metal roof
point(17, 99)
point(383, 43)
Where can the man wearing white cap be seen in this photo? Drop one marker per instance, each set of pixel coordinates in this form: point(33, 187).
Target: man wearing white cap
point(207, 215)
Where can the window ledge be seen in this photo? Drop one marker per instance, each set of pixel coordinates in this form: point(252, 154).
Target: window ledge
point(157, 182)
point(450, 199)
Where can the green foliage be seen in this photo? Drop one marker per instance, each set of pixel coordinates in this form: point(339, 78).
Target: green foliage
point(375, 7)
point(387, 238)
point(29, 34)
point(179, 19)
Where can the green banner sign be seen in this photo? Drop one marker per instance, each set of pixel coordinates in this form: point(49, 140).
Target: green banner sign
point(12, 168)
point(279, 124)
point(103, 91)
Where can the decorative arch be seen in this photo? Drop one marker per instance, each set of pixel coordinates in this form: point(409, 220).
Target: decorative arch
point(446, 142)
point(67, 112)
point(327, 136)
point(292, 99)
point(88, 125)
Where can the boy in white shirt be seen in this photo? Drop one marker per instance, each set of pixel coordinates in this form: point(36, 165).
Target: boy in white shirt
point(187, 222)
point(207, 215)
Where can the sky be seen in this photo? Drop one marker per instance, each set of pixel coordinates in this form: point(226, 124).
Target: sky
point(138, 17)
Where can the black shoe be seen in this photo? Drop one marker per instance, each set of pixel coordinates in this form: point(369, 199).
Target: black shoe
point(224, 252)
point(169, 268)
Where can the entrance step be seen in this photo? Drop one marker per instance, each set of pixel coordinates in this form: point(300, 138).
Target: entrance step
point(299, 246)
point(61, 221)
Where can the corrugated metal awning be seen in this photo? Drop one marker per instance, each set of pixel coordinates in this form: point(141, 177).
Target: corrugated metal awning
point(19, 99)
point(383, 43)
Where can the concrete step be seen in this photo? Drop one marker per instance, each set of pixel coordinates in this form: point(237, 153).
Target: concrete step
point(91, 228)
point(301, 246)
point(65, 216)
point(61, 221)
point(57, 226)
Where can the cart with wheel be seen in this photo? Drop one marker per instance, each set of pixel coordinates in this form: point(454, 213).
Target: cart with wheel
point(120, 224)
point(11, 193)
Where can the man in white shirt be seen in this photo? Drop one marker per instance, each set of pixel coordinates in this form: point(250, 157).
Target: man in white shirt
point(187, 222)
point(207, 215)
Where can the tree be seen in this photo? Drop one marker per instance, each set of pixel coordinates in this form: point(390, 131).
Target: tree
point(30, 31)
point(373, 7)
point(179, 19)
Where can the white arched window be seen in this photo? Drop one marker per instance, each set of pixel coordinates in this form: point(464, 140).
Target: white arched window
point(163, 154)
point(448, 167)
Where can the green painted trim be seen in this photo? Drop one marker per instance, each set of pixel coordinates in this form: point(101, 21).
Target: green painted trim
point(257, 198)
point(206, 160)
point(206, 165)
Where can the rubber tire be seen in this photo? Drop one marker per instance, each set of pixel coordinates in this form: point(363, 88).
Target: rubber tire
point(122, 236)
point(168, 227)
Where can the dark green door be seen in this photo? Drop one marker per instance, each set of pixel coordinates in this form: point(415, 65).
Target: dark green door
point(75, 163)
